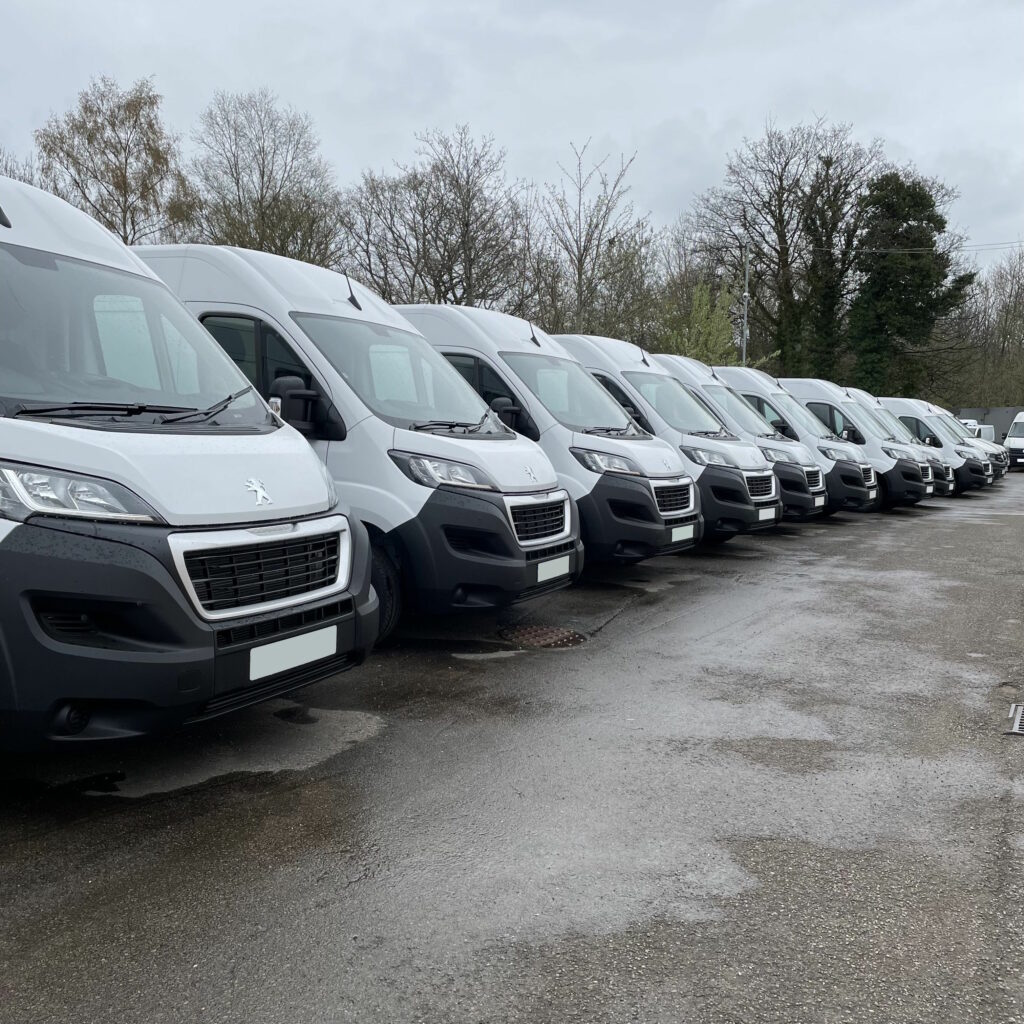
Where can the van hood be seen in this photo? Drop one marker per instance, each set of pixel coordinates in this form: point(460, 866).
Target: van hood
point(189, 479)
point(655, 457)
point(516, 464)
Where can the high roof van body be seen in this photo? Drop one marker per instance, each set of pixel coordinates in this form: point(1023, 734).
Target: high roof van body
point(903, 477)
point(971, 466)
point(1014, 442)
point(801, 478)
point(169, 549)
point(943, 474)
point(849, 477)
point(462, 512)
point(997, 453)
point(635, 497)
point(738, 492)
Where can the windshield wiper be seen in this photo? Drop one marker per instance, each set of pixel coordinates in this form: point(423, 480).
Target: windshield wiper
point(709, 433)
point(211, 411)
point(445, 424)
point(608, 431)
point(94, 408)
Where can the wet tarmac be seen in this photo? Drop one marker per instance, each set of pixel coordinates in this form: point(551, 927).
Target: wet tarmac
point(769, 781)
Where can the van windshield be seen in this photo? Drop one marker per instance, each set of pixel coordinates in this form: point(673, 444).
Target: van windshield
point(799, 416)
point(674, 404)
point(570, 394)
point(897, 428)
point(744, 415)
point(862, 419)
point(957, 427)
point(85, 343)
point(1016, 429)
point(399, 377)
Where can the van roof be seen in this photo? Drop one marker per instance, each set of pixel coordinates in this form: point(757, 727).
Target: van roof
point(39, 220)
point(753, 377)
point(804, 387)
point(482, 329)
point(611, 353)
point(692, 370)
point(225, 273)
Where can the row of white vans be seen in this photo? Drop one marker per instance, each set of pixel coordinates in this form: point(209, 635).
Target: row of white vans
point(172, 544)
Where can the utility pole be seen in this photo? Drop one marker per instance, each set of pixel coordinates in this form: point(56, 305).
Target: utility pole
point(746, 297)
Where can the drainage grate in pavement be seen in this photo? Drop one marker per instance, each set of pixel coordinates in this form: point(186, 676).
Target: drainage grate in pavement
point(542, 636)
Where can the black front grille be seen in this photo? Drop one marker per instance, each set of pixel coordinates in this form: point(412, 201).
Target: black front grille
point(926, 473)
point(256, 573)
point(673, 499)
point(254, 631)
point(551, 551)
point(813, 479)
point(760, 486)
point(869, 475)
point(534, 522)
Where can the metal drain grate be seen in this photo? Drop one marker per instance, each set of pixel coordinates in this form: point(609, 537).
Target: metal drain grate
point(542, 636)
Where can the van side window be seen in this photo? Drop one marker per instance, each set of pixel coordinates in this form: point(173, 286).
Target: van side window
point(620, 396)
point(492, 386)
point(125, 341)
point(771, 414)
point(828, 415)
point(467, 366)
point(279, 360)
point(237, 336)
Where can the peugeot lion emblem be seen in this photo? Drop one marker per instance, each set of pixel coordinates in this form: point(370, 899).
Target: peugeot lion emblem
point(256, 486)
point(530, 473)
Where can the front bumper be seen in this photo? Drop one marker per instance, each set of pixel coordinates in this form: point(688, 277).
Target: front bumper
point(904, 484)
point(727, 506)
point(460, 552)
point(94, 620)
point(798, 500)
point(944, 485)
point(620, 522)
point(972, 474)
point(846, 487)
point(1016, 458)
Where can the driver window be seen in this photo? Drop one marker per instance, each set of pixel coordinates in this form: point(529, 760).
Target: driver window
point(492, 386)
point(772, 415)
point(280, 360)
point(831, 417)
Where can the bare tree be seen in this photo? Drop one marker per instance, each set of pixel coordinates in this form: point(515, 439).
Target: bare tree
point(112, 157)
point(449, 228)
point(19, 168)
point(261, 182)
point(586, 213)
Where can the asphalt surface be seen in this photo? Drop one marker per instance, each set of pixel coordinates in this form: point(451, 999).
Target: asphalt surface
point(772, 783)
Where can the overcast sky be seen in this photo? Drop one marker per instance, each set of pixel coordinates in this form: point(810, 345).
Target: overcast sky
point(680, 82)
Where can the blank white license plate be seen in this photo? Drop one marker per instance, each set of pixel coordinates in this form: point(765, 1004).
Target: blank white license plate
point(929, 489)
point(282, 655)
point(872, 494)
point(552, 569)
point(766, 513)
point(682, 532)
point(818, 502)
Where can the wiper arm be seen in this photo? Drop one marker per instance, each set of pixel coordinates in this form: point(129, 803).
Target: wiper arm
point(707, 433)
point(607, 431)
point(211, 411)
point(92, 408)
point(446, 424)
point(479, 423)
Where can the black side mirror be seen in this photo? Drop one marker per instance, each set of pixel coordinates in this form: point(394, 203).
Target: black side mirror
point(786, 430)
point(853, 435)
point(514, 417)
point(304, 409)
point(1004, 435)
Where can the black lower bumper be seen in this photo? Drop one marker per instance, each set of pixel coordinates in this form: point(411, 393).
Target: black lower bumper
point(904, 484)
point(798, 500)
point(98, 640)
point(727, 506)
point(944, 486)
point(846, 488)
point(972, 474)
point(459, 552)
point(620, 522)
point(1016, 458)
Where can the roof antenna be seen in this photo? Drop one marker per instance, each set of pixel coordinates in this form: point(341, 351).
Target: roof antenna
point(643, 356)
point(533, 334)
point(351, 294)
point(4, 221)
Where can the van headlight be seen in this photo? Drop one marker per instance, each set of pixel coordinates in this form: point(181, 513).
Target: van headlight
point(706, 457)
point(966, 453)
point(36, 490)
point(431, 472)
point(833, 453)
point(603, 462)
point(777, 455)
point(895, 453)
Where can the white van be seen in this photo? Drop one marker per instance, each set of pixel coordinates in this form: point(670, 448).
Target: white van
point(169, 549)
point(462, 513)
point(1013, 441)
point(943, 473)
point(635, 497)
point(996, 453)
point(926, 422)
point(849, 477)
point(729, 471)
point(903, 477)
point(801, 479)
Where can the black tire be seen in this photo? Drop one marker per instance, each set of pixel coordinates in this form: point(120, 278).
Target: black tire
point(387, 582)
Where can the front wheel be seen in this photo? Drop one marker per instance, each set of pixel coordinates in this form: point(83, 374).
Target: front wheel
point(387, 582)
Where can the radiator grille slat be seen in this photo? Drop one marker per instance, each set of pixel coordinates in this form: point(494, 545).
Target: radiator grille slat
point(533, 522)
point(814, 479)
point(760, 486)
point(673, 499)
